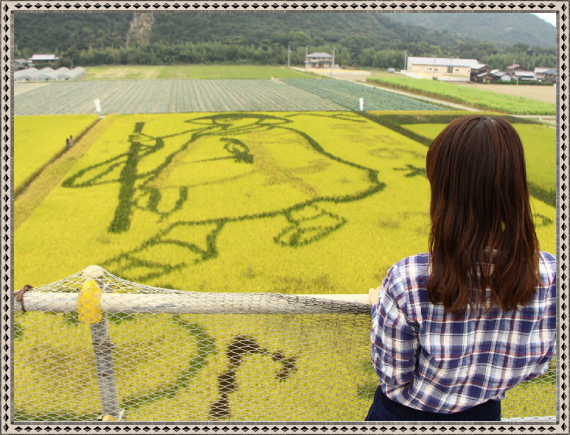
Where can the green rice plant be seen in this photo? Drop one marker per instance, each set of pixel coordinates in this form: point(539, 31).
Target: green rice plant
point(481, 99)
point(200, 72)
point(348, 94)
point(40, 139)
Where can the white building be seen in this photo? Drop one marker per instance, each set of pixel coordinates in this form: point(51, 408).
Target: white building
point(319, 60)
point(443, 68)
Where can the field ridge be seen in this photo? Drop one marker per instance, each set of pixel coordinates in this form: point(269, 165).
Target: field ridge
point(21, 188)
point(53, 173)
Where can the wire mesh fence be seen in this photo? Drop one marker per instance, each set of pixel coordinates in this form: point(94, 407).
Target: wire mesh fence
point(96, 347)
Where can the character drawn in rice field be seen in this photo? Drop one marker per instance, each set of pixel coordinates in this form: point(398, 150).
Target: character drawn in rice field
point(224, 168)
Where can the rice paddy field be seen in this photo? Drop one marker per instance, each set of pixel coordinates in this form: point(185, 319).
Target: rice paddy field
point(201, 72)
point(45, 138)
point(538, 143)
point(232, 198)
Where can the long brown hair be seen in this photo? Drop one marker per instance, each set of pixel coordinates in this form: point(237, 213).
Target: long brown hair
point(482, 232)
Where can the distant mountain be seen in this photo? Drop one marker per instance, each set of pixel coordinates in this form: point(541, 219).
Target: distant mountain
point(59, 32)
point(507, 28)
point(360, 39)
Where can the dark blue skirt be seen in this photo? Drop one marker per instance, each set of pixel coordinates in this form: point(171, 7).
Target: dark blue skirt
point(384, 409)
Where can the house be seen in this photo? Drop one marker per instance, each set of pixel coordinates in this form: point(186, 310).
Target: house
point(41, 58)
point(319, 60)
point(550, 75)
point(484, 77)
point(514, 67)
point(526, 76)
point(500, 76)
point(443, 68)
point(478, 72)
point(539, 72)
point(20, 64)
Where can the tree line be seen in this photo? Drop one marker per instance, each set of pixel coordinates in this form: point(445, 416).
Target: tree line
point(214, 52)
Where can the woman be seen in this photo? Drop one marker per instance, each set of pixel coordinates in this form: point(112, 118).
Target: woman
point(453, 330)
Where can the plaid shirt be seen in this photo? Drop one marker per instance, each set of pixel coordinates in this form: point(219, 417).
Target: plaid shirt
point(428, 361)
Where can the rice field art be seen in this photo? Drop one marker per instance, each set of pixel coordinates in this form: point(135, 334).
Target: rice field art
point(185, 200)
point(228, 202)
point(224, 156)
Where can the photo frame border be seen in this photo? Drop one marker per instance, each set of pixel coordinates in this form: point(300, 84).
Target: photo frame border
point(9, 8)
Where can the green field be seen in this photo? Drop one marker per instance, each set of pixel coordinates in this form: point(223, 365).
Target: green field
point(175, 72)
point(481, 99)
point(40, 139)
point(278, 202)
point(183, 96)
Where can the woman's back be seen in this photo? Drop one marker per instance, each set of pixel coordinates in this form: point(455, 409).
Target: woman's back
point(454, 329)
point(453, 364)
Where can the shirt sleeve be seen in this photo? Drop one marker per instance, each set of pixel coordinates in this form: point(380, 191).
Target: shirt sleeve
point(394, 341)
point(548, 329)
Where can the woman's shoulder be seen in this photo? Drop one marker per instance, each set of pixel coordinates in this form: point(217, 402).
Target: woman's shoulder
point(547, 268)
point(547, 257)
point(412, 266)
point(415, 260)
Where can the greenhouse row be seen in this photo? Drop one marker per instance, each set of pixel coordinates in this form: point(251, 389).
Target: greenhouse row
point(33, 74)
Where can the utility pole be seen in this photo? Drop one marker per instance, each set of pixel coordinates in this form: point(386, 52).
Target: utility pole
point(332, 65)
point(306, 54)
point(405, 60)
point(288, 56)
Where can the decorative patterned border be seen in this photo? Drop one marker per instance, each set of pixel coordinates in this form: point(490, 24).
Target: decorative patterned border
point(7, 426)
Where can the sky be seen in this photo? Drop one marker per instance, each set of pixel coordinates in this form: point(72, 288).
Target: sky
point(549, 17)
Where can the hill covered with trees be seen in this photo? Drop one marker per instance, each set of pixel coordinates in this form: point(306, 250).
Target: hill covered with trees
point(359, 39)
point(502, 29)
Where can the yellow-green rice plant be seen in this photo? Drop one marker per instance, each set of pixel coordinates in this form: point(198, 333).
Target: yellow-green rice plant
point(539, 143)
point(52, 175)
point(39, 139)
point(294, 203)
